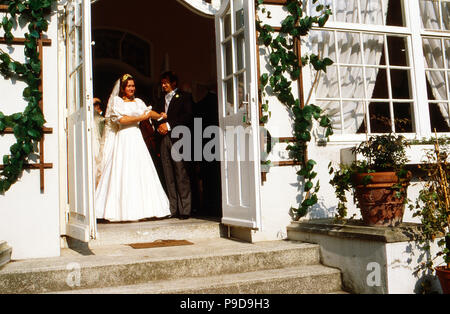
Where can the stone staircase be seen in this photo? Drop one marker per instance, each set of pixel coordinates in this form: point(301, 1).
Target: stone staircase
point(210, 265)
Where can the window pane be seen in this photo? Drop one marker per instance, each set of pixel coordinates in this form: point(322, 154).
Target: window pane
point(397, 47)
point(439, 117)
point(432, 52)
point(329, 84)
point(354, 113)
point(352, 82)
point(372, 12)
point(403, 114)
point(333, 110)
point(227, 24)
point(229, 97)
point(438, 89)
point(238, 14)
point(240, 51)
point(380, 117)
point(346, 11)
point(395, 13)
point(447, 52)
point(446, 15)
point(373, 48)
point(350, 48)
point(241, 90)
point(400, 84)
point(376, 81)
point(228, 58)
point(323, 43)
point(107, 43)
point(431, 17)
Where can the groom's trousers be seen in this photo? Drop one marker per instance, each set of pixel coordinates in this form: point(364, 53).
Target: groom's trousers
point(177, 180)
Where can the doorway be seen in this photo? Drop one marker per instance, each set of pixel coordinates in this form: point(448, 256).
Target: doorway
point(145, 39)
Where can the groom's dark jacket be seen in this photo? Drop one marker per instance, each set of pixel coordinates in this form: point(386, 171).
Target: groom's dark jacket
point(179, 111)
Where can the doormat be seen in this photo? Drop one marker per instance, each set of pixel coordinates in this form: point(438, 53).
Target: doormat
point(159, 243)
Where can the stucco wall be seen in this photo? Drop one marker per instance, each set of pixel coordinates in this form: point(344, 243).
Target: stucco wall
point(29, 219)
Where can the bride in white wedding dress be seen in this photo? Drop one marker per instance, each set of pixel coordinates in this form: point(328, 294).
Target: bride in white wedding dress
point(129, 188)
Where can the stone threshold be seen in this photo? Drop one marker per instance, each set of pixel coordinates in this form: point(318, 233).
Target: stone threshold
point(355, 229)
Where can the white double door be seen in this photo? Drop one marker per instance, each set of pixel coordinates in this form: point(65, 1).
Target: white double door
point(238, 116)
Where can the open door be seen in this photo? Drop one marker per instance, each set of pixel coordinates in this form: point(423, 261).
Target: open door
point(238, 113)
point(81, 222)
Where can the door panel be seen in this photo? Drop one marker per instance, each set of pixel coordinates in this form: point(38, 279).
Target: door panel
point(238, 113)
point(81, 220)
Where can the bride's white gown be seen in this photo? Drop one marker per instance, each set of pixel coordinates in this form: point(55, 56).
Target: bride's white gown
point(129, 188)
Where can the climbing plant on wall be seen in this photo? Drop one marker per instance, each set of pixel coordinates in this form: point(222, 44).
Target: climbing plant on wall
point(27, 125)
point(286, 64)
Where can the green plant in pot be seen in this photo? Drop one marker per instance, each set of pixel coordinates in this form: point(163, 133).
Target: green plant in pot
point(378, 182)
point(433, 208)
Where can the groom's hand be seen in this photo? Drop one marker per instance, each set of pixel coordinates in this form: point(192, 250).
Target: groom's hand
point(162, 129)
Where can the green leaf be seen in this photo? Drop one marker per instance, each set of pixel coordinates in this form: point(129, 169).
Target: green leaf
point(308, 186)
point(34, 134)
point(17, 116)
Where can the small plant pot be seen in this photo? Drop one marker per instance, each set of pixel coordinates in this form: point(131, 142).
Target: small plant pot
point(378, 201)
point(443, 273)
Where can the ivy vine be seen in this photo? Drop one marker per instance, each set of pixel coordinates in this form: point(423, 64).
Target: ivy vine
point(286, 65)
point(27, 125)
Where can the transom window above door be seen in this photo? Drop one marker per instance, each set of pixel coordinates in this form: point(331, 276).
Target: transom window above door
point(123, 46)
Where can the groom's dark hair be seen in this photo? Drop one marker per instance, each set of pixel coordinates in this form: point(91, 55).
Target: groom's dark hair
point(169, 75)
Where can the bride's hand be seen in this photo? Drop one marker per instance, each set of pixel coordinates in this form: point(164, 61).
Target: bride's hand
point(163, 115)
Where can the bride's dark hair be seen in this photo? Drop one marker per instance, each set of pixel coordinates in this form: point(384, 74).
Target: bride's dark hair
point(123, 83)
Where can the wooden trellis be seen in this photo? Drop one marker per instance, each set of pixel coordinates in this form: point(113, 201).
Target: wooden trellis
point(41, 165)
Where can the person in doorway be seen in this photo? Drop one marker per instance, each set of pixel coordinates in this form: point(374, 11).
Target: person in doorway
point(178, 107)
point(98, 126)
point(129, 188)
point(208, 171)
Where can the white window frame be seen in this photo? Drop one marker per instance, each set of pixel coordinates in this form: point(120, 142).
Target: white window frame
point(414, 33)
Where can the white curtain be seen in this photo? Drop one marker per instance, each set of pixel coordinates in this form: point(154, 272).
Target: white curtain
point(434, 53)
point(350, 53)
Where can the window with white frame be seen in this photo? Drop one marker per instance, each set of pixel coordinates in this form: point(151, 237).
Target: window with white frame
point(391, 70)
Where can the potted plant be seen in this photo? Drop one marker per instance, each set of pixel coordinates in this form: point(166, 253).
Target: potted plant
point(378, 181)
point(433, 208)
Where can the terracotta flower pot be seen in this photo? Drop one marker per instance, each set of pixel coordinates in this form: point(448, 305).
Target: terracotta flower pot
point(378, 201)
point(443, 274)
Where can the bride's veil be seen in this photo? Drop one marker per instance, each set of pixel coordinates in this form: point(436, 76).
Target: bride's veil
point(109, 133)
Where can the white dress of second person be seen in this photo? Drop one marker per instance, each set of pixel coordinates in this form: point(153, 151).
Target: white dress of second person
point(129, 188)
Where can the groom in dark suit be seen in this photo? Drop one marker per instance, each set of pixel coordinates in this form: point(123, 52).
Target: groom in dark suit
point(178, 107)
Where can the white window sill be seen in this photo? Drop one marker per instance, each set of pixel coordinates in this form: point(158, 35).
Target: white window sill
point(415, 153)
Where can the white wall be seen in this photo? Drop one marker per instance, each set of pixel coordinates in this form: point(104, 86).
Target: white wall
point(29, 219)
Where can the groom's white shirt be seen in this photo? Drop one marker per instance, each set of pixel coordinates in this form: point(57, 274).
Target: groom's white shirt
point(168, 99)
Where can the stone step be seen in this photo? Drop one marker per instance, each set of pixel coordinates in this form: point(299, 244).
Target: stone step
point(305, 279)
point(121, 265)
point(149, 231)
point(5, 253)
